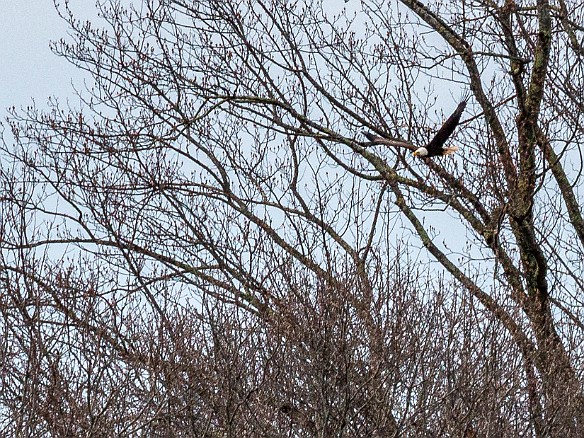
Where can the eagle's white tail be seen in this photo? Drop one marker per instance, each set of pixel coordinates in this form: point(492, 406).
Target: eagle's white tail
point(450, 150)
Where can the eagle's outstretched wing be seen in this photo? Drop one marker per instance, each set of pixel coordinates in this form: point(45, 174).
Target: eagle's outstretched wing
point(445, 131)
point(377, 139)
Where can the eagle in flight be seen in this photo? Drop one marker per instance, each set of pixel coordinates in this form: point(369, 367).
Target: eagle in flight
point(435, 147)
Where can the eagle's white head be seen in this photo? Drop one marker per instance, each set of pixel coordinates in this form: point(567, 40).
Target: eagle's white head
point(421, 152)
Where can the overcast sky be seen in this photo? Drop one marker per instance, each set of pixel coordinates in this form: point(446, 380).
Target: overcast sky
point(29, 69)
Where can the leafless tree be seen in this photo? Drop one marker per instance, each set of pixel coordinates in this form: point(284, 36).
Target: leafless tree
point(205, 245)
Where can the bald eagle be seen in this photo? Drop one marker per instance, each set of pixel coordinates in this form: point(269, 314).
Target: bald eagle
point(435, 147)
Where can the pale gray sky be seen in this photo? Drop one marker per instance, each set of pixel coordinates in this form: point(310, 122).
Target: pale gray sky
point(29, 69)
